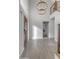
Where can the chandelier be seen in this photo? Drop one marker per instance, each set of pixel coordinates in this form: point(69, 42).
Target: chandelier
point(41, 7)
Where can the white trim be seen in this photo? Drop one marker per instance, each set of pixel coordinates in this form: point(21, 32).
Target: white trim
point(21, 52)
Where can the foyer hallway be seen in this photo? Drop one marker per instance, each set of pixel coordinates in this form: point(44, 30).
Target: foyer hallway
point(39, 49)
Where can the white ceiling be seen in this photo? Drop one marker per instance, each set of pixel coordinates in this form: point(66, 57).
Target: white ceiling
point(30, 6)
point(25, 6)
point(26, 3)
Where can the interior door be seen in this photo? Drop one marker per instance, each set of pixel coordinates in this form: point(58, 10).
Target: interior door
point(25, 30)
point(45, 29)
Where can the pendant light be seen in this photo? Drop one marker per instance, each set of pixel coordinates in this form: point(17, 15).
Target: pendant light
point(41, 7)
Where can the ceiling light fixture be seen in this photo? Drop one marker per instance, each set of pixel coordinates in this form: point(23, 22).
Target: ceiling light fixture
point(42, 6)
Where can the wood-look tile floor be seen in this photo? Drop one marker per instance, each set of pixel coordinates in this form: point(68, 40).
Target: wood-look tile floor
point(39, 49)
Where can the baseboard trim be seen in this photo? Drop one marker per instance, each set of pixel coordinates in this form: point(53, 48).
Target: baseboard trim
point(21, 52)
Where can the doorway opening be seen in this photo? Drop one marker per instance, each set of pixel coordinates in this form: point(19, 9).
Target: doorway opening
point(45, 29)
point(25, 31)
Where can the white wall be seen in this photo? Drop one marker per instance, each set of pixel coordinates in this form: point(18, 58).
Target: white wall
point(25, 6)
point(56, 14)
point(21, 33)
point(36, 30)
point(24, 11)
point(51, 27)
point(57, 21)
